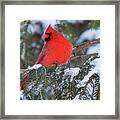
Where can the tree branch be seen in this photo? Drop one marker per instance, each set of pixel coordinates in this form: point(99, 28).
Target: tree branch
point(87, 44)
point(87, 55)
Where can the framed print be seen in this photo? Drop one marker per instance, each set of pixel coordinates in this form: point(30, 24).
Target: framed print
point(60, 59)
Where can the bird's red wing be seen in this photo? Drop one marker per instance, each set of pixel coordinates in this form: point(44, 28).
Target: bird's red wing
point(48, 59)
point(64, 54)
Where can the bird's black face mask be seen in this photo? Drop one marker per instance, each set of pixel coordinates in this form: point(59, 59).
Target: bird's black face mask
point(48, 36)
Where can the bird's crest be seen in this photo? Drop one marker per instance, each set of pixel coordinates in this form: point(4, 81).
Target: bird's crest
point(50, 29)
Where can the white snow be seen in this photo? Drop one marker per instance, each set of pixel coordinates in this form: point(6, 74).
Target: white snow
point(21, 93)
point(89, 34)
point(72, 72)
point(94, 49)
point(22, 96)
point(30, 87)
point(78, 85)
point(36, 66)
point(90, 88)
point(76, 97)
point(96, 69)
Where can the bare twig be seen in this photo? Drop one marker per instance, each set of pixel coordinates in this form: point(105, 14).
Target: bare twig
point(87, 44)
point(87, 55)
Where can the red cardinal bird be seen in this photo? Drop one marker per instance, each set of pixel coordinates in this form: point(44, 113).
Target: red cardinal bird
point(56, 50)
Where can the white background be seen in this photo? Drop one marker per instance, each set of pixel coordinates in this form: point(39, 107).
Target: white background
point(14, 14)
